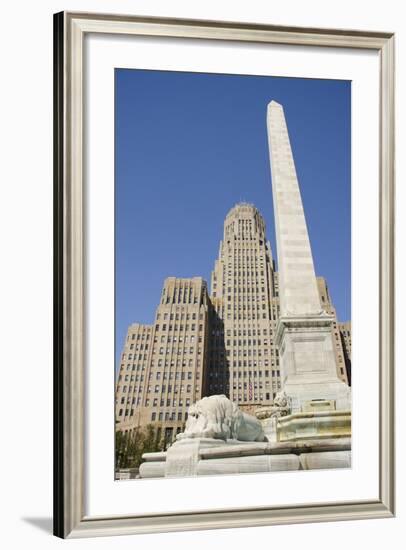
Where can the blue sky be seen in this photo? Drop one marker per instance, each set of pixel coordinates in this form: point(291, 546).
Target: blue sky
point(191, 145)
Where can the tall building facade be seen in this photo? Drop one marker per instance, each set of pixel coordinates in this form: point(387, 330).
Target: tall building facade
point(163, 366)
point(135, 363)
point(328, 307)
point(243, 362)
point(222, 343)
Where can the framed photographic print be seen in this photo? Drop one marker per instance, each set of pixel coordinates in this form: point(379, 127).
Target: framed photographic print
point(223, 274)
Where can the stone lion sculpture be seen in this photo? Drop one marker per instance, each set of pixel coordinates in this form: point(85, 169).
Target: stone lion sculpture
point(281, 400)
point(281, 407)
point(219, 418)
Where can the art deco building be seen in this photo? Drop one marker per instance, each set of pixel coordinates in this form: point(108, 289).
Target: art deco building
point(163, 366)
point(339, 349)
point(222, 344)
point(133, 374)
point(243, 360)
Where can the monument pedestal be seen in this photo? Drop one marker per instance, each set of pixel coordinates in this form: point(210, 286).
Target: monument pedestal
point(308, 364)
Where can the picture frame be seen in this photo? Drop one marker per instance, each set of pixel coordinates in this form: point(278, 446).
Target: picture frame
point(70, 249)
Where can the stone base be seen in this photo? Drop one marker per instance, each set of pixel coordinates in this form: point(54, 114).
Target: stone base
point(306, 395)
point(326, 460)
point(308, 362)
point(314, 425)
point(198, 457)
point(182, 457)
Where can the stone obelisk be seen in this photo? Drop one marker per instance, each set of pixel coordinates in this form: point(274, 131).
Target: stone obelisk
point(304, 333)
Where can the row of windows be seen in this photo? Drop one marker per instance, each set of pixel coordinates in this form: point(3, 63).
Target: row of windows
point(138, 336)
point(169, 339)
point(244, 236)
point(245, 290)
point(255, 385)
point(127, 389)
point(172, 375)
point(246, 298)
point(137, 357)
point(238, 263)
point(248, 363)
point(133, 401)
point(178, 363)
point(157, 416)
point(251, 387)
point(214, 376)
point(179, 316)
point(139, 347)
point(239, 246)
point(191, 327)
point(245, 307)
point(237, 352)
point(181, 300)
point(253, 342)
point(243, 314)
point(250, 288)
point(244, 332)
point(244, 374)
point(169, 402)
point(157, 389)
point(174, 348)
point(239, 278)
point(169, 416)
point(133, 367)
point(162, 388)
point(165, 376)
point(244, 317)
point(253, 397)
point(178, 350)
point(132, 378)
point(242, 256)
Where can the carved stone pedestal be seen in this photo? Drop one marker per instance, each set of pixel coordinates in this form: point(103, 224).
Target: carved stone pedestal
point(308, 364)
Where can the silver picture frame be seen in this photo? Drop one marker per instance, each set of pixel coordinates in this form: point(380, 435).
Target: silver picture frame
point(70, 519)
